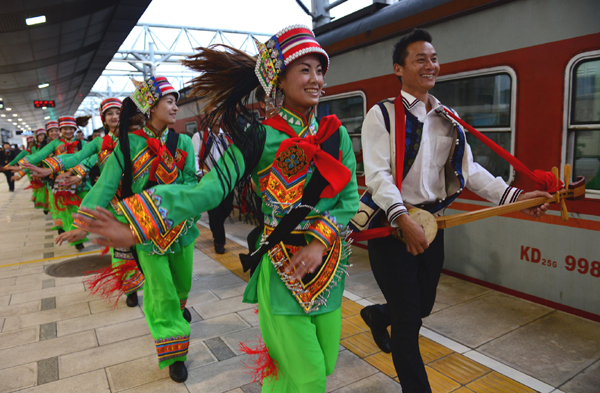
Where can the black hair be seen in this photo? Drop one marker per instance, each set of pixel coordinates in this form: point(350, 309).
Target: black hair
point(401, 47)
point(260, 94)
point(128, 110)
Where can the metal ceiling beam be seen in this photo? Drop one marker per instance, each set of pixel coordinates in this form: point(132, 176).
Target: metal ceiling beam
point(156, 49)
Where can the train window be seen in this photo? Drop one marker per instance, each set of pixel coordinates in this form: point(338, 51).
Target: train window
point(191, 128)
point(484, 99)
point(584, 120)
point(350, 108)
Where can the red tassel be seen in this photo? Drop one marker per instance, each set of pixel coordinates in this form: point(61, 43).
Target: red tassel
point(256, 309)
point(105, 251)
point(36, 183)
point(262, 365)
point(108, 282)
point(28, 187)
point(66, 198)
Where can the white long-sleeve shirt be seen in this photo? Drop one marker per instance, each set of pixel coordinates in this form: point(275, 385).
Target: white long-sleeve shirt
point(197, 143)
point(425, 182)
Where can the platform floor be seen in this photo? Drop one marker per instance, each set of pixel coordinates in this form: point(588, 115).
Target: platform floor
point(56, 338)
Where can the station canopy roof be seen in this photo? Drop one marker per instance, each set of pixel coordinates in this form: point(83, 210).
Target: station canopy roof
point(68, 52)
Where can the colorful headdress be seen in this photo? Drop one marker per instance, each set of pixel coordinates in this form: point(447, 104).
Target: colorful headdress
point(30, 138)
point(41, 131)
point(283, 48)
point(51, 124)
point(109, 103)
point(67, 121)
point(148, 92)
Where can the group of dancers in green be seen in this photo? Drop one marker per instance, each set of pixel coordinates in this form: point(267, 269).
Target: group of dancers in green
point(147, 199)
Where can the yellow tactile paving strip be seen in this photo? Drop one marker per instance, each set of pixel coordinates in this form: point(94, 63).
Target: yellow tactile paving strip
point(448, 371)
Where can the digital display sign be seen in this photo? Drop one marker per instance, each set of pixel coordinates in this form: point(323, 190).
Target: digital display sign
point(43, 103)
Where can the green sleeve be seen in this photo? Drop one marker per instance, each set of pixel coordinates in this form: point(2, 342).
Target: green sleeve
point(189, 170)
point(88, 150)
point(159, 209)
point(108, 183)
point(36, 158)
point(22, 154)
point(84, 166)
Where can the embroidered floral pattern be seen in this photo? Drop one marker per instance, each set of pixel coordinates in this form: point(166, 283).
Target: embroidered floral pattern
point(292, 161)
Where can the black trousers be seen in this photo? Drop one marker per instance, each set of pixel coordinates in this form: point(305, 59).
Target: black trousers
point(409, 285)
point(217, 217)
point(11, 183)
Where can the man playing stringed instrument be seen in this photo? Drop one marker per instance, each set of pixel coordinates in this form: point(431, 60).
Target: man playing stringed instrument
point(435, 165)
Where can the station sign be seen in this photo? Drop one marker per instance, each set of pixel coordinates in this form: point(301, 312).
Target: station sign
point(43, 103)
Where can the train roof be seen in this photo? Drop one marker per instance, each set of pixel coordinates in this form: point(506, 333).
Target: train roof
point(380, 21)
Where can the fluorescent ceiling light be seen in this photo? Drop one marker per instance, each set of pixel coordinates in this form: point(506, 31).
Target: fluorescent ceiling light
point(43, 85)
point(15, 115)
point(36, 20)
point(46, 118)
point(44, 108)
point(20, 119)
point(3, 115)
point(9, 109)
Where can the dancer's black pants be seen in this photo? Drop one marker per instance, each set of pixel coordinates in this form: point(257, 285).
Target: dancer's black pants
point(217, 217)
point(11, 183)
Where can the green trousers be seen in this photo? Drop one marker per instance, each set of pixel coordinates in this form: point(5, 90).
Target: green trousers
point(133, 280)
point(52, 207)
point(65, 212)
point(168, 280)
point(41, 201)
point(304, 347)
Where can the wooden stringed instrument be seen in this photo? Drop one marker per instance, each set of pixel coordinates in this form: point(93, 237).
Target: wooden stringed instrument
point(431, 224)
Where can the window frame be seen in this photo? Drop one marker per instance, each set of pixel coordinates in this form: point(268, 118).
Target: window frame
point(195, 123)
point(569, 129)
point(513, 102)
point(348, 94)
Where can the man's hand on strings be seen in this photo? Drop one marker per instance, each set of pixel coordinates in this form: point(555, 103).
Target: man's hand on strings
point(112, 233)
point(71, 236)
point(37, 171)
point(307, 259)
point(414, 234)
point(536, 211)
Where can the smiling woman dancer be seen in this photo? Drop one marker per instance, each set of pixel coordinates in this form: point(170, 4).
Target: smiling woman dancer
point(305, 170)
point(146, 157)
